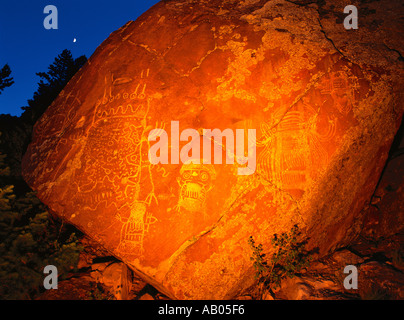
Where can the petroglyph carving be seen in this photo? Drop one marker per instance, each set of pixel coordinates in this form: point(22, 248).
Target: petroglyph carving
point(112, 83)
point(195, 181)
point(115, 160)
point(54, 124)
point(340, 87)
point(292, 149)
point(135, 228)
point(128, 145)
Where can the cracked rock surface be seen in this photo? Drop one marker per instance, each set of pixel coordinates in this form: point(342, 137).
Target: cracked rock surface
point(325, 103)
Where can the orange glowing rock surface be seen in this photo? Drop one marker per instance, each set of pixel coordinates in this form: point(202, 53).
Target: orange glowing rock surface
point(324, 120)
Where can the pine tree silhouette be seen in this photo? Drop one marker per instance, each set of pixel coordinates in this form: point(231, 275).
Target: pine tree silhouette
point(5, 79)
point(17, 130)
point(51, 84)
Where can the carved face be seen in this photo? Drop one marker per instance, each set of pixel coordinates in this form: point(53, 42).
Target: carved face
point(195, 182)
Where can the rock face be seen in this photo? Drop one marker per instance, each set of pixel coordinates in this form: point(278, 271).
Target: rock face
point(385, 215)
point(325, 104)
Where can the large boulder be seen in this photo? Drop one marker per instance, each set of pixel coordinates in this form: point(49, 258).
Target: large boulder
point(325, 104)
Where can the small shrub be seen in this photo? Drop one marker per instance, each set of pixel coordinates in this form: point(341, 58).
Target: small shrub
point(289, 258)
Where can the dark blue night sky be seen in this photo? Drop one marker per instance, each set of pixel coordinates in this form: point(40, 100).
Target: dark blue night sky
point(29, 48)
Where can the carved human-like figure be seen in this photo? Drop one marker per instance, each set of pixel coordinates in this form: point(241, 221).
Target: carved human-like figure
point(292, 149)
point(195, 181)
